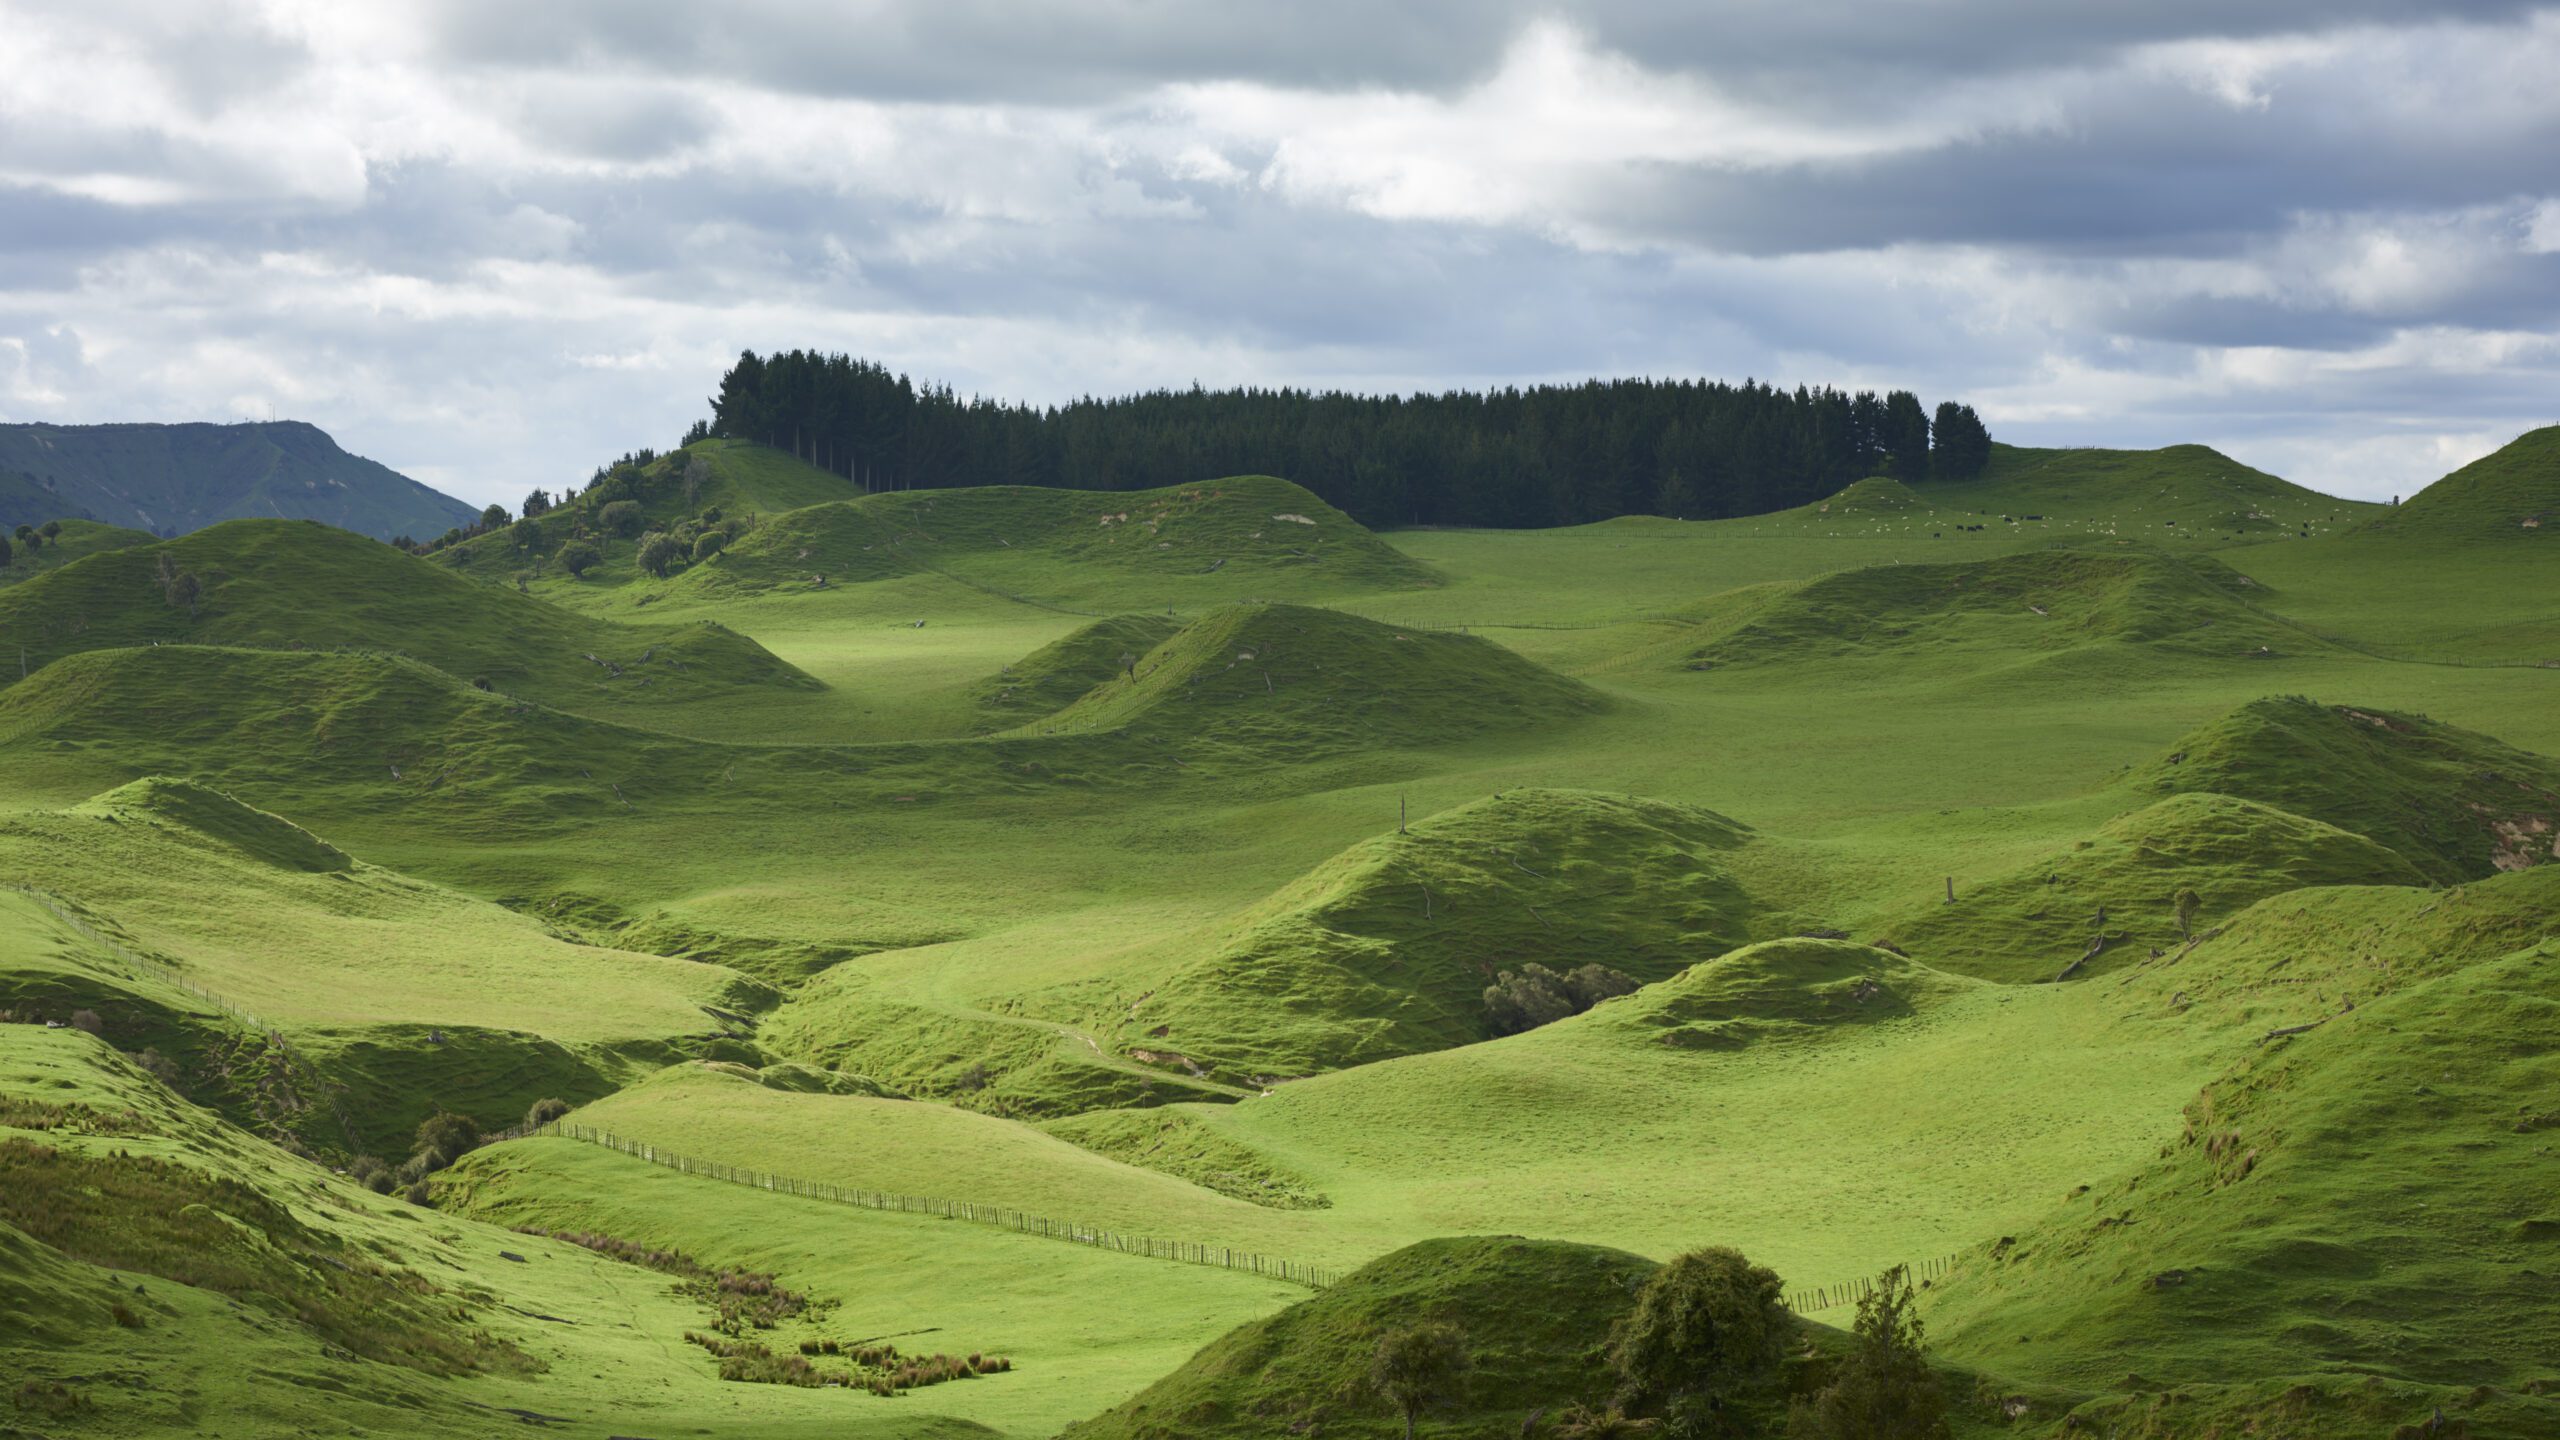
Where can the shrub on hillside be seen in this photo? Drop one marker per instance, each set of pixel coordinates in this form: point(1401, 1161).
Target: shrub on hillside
point(1535, 995)
point(87, 1022)
point(658, 553)
point(578, 557)
point(1419, 1367)
point(544, 1111)
point(1884, 1389)
point(1708, 1329)
point(371, 1172)
point(620, 517)
point(708, 544)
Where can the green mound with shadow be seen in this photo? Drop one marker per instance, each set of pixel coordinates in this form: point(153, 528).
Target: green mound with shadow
point(1536, 1315)
point(2510, 494)
point(1875, 495)
point(1353, 962)
point(2368, 1199)
point(1776, 990)
point(2190, 490)
point(269, 839)
point(2002, 611)
point(1059, 673)
point(1178, 1144)
point(2456, 804)
point(1243, 535)
point(1295, 682)
point(299, 585)
point(2115, 892)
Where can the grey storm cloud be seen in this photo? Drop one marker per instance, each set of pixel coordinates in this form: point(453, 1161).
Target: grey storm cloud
point(493, 243)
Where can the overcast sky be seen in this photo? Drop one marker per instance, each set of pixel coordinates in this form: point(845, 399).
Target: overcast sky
point(494, 242)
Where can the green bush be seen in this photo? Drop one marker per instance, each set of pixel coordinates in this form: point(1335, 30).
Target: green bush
point(579, 556)
point(658, 553)
point(1417, 1368)
point(1884, 1389)
point(1708, 1328)
point(620, 517)
point(544, 1111)
point(1535, 995)
point(708, 544)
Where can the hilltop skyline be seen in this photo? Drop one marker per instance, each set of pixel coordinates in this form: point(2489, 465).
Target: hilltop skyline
point(493, 250)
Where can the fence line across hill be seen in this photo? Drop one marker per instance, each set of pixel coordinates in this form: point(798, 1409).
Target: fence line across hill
point(1186, 1251)
point(1817, 1298)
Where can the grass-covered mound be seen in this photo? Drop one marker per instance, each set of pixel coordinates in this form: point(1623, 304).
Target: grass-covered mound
point(1777, 990)
point(2369, 1198)
point(1387, 948)
point(2188, 491)
point(2512, 493)
point(1536, 1314)
point(1247, 535)
point(301, 585)
point(1059, 673)
point(2456, 804)
point(2113, 897)
point(1296, 682)
point(1877, 495)
point(1970, 613)
point(268, 839)
point(732, 479)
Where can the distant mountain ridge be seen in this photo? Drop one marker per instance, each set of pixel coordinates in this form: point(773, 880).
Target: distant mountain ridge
point(171, 479)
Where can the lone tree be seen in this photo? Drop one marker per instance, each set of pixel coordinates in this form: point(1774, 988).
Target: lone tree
point(1706, 1328)
point(2187, 902)
point(1420, 1367)
point(178, 587)
point(578, 557)
point(1884, 1389)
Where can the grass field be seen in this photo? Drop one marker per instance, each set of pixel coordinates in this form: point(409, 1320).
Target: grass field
point(1140, 862)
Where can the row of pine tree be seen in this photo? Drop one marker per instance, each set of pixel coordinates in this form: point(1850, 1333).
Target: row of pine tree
point(1546, 455)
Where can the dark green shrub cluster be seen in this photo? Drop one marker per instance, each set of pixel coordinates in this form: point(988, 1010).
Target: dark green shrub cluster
point(544, 1111)
point(741, 1298)
point(1701, 1349)
point(880, 1369)
point(1534, 995)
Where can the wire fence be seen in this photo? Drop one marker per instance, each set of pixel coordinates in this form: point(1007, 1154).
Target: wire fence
point(1295, 1272)
point(1814, 1299)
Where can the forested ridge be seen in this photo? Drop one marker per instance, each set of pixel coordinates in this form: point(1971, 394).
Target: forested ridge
point(1544, 455)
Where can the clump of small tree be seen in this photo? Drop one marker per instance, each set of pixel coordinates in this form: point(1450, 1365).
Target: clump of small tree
point(1703, 1341)
point(1534, 995)
point(620, 517)
point(1418, 1367)
point(1883, 1389)
point(578, 557)
point(659, 553)
point(708, 544)
point(177, 586)
point(443, 1138)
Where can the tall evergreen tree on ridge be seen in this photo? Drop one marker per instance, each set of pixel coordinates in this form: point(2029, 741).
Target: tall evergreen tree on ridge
point(1546, 455)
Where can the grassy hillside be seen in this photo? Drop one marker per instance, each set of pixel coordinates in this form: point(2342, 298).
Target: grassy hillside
point(1534, 1312)
point(1294, 681)
point(2512, 494)
point(1997, 612)
point(2455, 804)
point(79, 539)
point(1244, 535)
point(169, 479)
point(1386, 949)
point(2113, 896)
point(2151, 493)
point(2363, 1199)
point(1059, 673)
point(292, 585)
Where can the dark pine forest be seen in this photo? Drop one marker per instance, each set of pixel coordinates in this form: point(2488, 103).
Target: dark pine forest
point(1546, 455)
